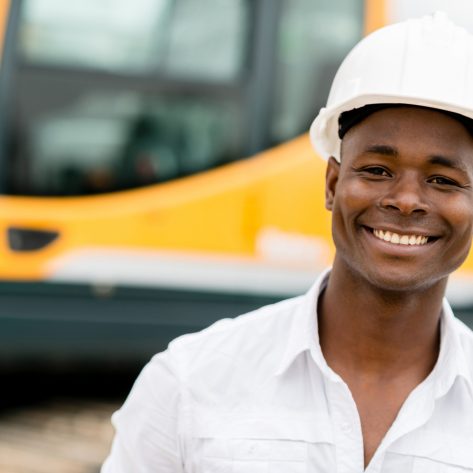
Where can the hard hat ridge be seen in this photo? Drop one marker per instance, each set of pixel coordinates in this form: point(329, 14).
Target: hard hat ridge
point(426, 62)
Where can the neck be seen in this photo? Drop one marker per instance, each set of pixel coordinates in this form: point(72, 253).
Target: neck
point(365, 330)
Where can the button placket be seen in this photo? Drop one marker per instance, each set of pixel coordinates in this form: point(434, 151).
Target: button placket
point(416, 410)
point(347, 429)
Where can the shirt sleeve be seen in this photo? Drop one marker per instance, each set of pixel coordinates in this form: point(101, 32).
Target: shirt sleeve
point(146, 426)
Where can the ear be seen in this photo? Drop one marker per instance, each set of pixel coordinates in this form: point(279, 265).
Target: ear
point(331, 180)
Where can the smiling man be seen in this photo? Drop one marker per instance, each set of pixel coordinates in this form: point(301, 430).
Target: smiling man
point(370, 370)
point(402, 204)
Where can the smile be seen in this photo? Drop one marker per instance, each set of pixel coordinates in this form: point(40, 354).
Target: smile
point(399, 239)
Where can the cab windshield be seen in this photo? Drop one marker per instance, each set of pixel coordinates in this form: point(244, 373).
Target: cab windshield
point(107, 95)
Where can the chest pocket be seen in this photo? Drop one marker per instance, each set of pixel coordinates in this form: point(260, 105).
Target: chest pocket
point(263, 444)
point(433, 452)
point(254, 456)
point(425, 465)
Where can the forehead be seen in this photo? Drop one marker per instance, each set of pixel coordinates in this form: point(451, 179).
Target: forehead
point(411, 129)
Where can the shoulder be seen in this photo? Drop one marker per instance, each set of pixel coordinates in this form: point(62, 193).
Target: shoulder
point(243, 351)
point(247, 333)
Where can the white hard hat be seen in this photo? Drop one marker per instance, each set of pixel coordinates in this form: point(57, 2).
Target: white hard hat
point(426, 62)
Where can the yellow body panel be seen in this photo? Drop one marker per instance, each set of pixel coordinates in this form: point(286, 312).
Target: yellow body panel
point(4, 8)
point(375, 15)
point(218, 212)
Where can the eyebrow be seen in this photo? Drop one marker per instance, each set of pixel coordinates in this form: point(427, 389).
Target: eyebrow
point(383, 149)
point(449, 162)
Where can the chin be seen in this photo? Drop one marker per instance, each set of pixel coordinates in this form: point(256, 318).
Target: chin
point(400, 281)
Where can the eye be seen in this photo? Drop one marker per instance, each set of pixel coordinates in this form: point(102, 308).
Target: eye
point(376, 171)
point(442, 180)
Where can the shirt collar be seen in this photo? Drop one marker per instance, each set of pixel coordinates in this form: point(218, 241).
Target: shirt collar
point(304, 336)
point(304, 330)
point(452, 362)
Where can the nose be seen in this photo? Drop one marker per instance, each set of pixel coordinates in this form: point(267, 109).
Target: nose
point(406, 196)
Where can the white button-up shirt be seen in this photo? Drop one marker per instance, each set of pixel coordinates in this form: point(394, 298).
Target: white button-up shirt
point(254, 394)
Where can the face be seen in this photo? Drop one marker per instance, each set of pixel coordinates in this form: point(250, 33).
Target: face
point(402, 198)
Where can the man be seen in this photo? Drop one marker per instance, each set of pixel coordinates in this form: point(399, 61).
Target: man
point(369, 371)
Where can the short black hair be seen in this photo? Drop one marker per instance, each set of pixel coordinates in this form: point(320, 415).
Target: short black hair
point(350, 118)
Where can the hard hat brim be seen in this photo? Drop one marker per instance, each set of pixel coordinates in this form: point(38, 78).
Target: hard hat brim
point(324, 129)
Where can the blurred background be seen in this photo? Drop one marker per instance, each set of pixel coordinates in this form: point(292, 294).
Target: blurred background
point(155, 176)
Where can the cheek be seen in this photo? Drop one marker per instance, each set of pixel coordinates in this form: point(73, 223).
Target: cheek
point(460, 213)
point(351, 200)
point(460, 219)
point(353, 196)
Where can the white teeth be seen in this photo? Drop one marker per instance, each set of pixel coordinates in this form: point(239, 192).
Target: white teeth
point(400, 239)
